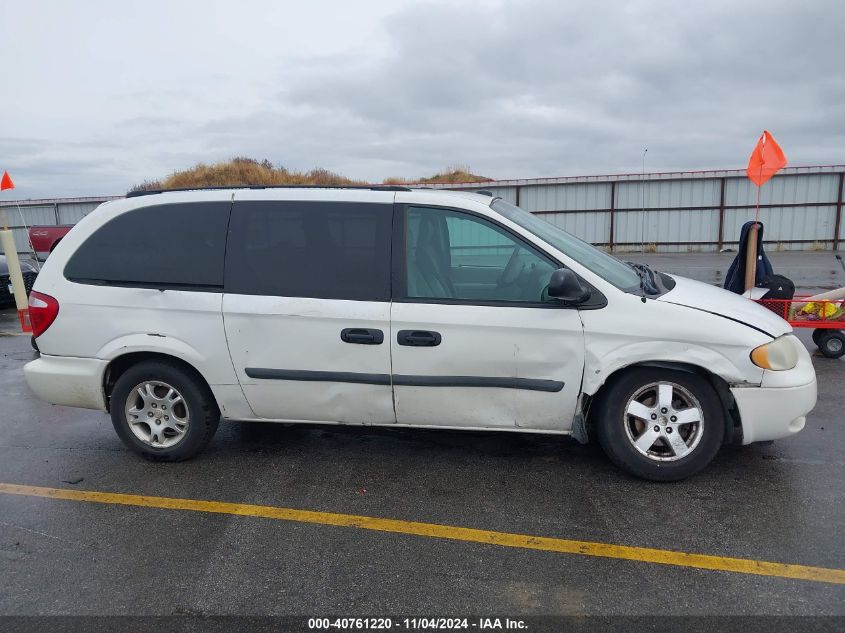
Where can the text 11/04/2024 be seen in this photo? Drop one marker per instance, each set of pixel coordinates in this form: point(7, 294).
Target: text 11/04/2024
point(416, 624)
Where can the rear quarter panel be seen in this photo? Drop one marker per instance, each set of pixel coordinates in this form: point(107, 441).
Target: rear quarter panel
point(106, 321)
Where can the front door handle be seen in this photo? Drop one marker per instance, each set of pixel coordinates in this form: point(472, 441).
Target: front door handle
point(418, 338)
point(362, 336)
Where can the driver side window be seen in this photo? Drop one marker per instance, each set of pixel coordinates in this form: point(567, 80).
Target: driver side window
point(453, 255)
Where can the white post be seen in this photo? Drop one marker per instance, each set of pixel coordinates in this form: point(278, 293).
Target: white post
point(7, 240)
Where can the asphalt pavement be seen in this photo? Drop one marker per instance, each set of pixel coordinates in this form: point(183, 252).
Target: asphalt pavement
point(783, 502)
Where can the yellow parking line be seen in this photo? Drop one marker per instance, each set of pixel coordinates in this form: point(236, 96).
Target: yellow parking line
point(433, 530)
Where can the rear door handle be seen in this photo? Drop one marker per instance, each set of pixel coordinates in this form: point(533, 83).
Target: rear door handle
point(362, 336)
point(418, 338)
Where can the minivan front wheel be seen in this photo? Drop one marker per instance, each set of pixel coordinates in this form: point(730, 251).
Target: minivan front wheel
point(660, 424)
point(162, 411)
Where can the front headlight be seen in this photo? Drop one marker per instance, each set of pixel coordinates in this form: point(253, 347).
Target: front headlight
point(779, 355)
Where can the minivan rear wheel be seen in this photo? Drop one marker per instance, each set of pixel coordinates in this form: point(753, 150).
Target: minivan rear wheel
point(660, 424)
point(162, 411)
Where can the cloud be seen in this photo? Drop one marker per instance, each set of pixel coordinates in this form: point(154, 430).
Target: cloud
point(517, 89)
point(581, 88)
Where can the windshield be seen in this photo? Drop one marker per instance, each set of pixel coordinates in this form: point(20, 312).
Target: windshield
point(605, 266)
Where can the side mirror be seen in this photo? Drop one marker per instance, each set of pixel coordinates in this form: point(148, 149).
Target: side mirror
point(565, 286)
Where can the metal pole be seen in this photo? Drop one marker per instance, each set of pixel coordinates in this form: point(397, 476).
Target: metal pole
point(612, 213)
point(642, 204)
point(837, 226)
point(721, 216)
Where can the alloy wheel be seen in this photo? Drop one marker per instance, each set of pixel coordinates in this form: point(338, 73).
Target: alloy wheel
point(664, 421)
point(157, 414)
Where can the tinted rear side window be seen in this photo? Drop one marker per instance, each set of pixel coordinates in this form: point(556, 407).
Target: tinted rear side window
point(168, 245)
point(324, 250)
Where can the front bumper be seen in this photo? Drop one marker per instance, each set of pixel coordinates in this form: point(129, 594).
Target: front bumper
point(771, 414)
point(778, 408)
point(72, 382)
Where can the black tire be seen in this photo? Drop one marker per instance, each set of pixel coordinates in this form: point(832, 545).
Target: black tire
point(198, 402)
point(831, 343)
point(617, 432)
point(34, 344)
point(816, 334)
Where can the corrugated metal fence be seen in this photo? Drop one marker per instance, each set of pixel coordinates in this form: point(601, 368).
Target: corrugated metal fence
point(18, 215)
point(699, 211)
point(801, 208)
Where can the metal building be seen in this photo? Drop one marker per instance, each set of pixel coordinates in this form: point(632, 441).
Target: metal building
point(700, 211)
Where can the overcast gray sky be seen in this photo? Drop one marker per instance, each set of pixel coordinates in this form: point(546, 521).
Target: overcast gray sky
point(98, 95)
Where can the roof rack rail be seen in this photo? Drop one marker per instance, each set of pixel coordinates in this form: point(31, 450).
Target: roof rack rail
point(151, 192)
point(484, 192)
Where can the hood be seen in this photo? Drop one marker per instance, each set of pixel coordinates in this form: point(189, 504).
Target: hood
point(701, 296)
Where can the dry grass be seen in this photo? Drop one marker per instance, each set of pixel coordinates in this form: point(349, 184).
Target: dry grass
point(248, 171)
point(244, 171)
point(451, 175)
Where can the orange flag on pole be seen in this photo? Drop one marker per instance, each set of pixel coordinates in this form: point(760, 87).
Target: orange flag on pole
point(766, 160)
point(6, 182)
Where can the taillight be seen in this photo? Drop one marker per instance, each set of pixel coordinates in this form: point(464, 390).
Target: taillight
point(43, 310)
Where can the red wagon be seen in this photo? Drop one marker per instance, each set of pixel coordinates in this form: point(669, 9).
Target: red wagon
point(826, 317)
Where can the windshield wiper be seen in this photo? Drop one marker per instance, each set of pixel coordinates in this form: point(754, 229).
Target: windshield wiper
point(648, 280)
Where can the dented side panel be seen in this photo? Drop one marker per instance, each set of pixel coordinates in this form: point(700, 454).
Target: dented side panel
point(488, 341)
point(629, 331)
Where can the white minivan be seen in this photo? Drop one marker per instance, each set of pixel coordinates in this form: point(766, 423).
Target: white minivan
point(399, 307)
